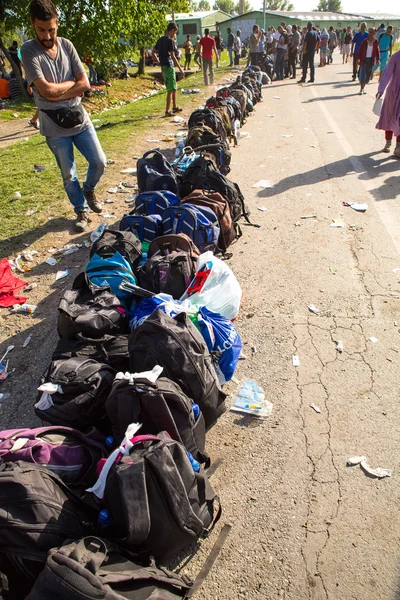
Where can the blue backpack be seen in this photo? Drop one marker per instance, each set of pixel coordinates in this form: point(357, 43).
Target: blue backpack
point(154, 203)
point(198, 222)
point(145, 227)
point(155, 173)
point(109, 273)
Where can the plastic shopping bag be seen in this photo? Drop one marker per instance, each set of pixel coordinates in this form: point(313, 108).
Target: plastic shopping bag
point(215, 287)
point(377, 108)
point(167, 303)
point(223, 341)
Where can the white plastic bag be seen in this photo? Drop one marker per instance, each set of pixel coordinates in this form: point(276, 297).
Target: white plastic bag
point(215, 287)
point(377, 108)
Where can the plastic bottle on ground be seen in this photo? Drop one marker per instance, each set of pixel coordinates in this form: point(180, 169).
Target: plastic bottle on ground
point(97, 233)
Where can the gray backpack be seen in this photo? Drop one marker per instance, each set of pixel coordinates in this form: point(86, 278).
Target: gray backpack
point(92, 569)
point(37, 512)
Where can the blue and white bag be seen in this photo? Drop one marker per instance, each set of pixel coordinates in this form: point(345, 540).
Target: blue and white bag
point(223, 341)
point(198, 222)
point(145, 227)
point(154, 203)
point(110, 272)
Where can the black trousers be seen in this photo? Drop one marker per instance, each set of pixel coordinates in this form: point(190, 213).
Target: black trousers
point(292, 62)
point(355, 65)
point(308, 61)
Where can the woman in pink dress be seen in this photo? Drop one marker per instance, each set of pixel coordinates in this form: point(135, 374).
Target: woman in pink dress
point(389, 120)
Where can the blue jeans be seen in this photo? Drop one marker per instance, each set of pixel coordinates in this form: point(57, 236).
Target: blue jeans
point(230, 52)
point(280, 62)
point(88, 145)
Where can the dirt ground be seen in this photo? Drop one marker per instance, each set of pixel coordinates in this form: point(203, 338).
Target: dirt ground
point(305, 526)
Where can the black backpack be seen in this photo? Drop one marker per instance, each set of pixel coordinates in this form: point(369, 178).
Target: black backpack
point(202, 174)
point(154, 173)
point(178, 347)
point(160, 406)
point(124, 242)
point(171, 265)
point(37, 512)
point(110, 350)
point(155, 499)
point(94, 569)
point(209, 118)
point(89, 312)
point(80, 400)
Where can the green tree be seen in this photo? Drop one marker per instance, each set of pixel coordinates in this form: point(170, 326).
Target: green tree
point(247, 7)
point(203, 5)
point(329, 6)
point(227, 6)
point(279, 5)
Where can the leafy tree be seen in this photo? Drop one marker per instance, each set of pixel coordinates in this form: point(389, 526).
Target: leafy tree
point(227, 6)
point(279, 5)
point(329, 6)
point(204, 5)
point(247, 7)
point(8, 25)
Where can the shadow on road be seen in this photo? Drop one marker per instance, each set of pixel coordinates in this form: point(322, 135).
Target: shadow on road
point(373, 167)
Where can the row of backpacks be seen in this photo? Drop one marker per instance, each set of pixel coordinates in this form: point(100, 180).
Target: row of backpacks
point(116, 481)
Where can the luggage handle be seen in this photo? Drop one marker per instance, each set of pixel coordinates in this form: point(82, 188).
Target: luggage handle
point(90, 552)
point(149, 152)
point(106, 338)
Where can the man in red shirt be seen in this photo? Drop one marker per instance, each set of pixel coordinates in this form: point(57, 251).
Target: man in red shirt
point(207, 46)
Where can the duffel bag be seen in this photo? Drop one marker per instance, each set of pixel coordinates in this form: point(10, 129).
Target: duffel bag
point(37, 512)
point(93, 568)
point(73, 393)
point(110, 350)
point(90, 312)
point(69, 453)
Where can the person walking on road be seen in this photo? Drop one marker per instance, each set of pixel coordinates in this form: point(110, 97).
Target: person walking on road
point(348, 36)
point(358, 39)
point(323, 48)
point(309, 47)
point(368, 57)
point(332, 44)
point(58, 80)
point(229, 43)
point(188, 47)
point(164, 53)
point(385, 41)
point(389, 120)
point(208, 49)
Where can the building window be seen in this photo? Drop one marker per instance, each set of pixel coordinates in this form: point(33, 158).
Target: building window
point(189, 28)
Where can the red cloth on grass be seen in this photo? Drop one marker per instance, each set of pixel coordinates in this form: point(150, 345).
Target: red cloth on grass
point(9, 284)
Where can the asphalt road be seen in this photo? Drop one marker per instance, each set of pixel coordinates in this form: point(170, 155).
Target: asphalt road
point(305, 526)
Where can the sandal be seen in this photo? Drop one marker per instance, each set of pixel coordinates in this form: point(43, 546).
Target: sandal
point(177, 109)
point(33, 124)
point(168, 114)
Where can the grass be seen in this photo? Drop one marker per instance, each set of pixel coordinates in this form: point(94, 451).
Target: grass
point(44, 191)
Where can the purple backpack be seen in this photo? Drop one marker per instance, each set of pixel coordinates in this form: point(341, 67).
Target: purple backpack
point(72, 455)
